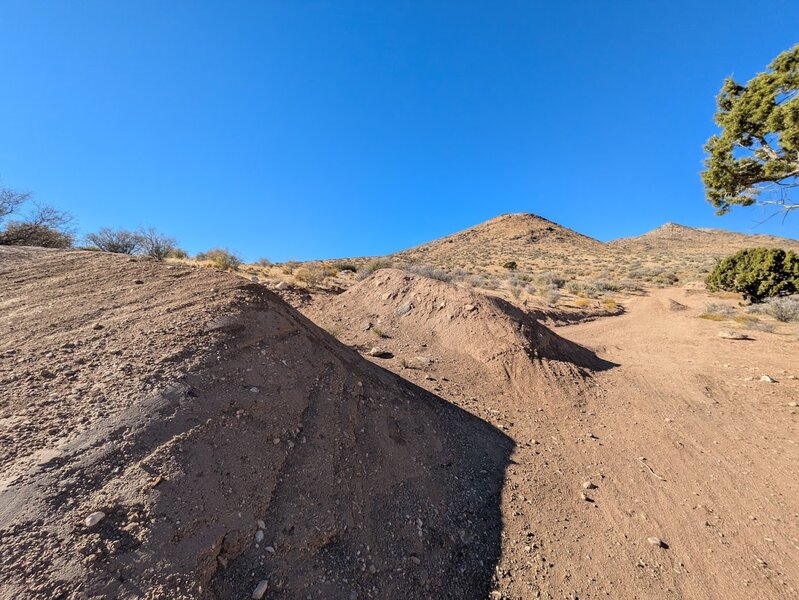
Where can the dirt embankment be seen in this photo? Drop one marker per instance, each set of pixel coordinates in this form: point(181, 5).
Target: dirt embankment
point(426, 325)
point(214, 439)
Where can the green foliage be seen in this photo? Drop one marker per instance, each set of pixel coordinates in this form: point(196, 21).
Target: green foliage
point(758, 148)
point(757, 273)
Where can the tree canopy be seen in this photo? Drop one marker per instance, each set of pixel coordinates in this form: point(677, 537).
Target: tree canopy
point(755, 157)
point(757, 273)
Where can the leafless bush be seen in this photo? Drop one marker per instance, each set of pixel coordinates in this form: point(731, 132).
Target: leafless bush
point(785, 309)
point(155, 244)
point(119, 241)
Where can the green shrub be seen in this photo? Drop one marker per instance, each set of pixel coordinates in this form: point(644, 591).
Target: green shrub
point(757, 273)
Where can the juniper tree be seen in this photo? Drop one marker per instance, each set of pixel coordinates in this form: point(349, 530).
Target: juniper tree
point(755, 157)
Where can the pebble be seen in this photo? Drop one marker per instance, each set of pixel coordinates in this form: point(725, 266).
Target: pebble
point(379, 352)
point(793, 404)
point(767, 379)
point(586, 497)
point(655, 541)
point(261, 524)
point(94, 518)
point(587, 485)
point(260, 590)
point(270, 549)
point(254, 390)
point(259, 536)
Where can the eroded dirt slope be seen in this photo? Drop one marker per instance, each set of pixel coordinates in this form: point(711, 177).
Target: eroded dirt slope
point(227, 441)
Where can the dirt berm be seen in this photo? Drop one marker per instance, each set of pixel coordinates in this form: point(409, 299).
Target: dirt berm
point(431, 326)
point(222, 440)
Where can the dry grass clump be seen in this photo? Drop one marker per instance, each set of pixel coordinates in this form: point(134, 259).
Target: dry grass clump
point(715, 311)
point(219, 258)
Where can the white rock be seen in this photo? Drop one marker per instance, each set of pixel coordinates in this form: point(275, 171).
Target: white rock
point(259, 536)
point(261, 524)
point(767, 379)
point(260, 590)
point(94, 518)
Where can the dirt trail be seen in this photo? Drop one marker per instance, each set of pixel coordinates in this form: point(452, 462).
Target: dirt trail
point(720, 480)
point(663, 421)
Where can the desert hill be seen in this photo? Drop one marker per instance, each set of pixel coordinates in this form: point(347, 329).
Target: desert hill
point(521, 257)
point(524, 238)
point(174, 432)
point(675, 237)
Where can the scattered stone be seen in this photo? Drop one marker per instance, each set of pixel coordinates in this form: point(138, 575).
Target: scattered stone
point(586, 497)
point(587, 485)
point(254, 390)
point(366, 325)
point(138, 281)
point(674, 305)
point(656, 541)
point(404, 309)
point(378, 352)
point(281, 285)
point(793, 404)
point(259, 536)
point(261, 524)
point(469, 308)
point(767, 379)
point(94, 518)
point(270, 549)
point(733, 335)
point(97, 326)
point(260, 590)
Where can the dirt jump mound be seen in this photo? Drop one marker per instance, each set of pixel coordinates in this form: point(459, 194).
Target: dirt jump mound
point(410, 315)
point(172, 432)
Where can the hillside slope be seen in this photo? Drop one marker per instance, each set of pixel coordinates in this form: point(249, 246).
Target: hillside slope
point(524, 238)
point(178, 432)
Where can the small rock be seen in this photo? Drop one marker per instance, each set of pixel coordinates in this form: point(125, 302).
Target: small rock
point(281, 285)
point(586, 497)
point(793, 404)
point(97, 326)
point(378, 352)
point(259, 536)
point(587, 485)
point(94, 518)
point(138, 281)
point(254, 390)
point(733, 335)
point(260, 590)
point(270, 549)
point(469, 307)
point(655, 541)
point(261, 524)
point(767, 379)
point(404, 309)
point(366, 325)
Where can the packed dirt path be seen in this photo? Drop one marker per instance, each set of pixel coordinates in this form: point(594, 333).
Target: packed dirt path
point(686, 444)
point(663, 467)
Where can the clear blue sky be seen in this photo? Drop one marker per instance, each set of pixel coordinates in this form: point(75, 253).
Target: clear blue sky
point(303, 130)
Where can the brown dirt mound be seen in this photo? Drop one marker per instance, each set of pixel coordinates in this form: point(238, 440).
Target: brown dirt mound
point(228, 441)
point(420, 320)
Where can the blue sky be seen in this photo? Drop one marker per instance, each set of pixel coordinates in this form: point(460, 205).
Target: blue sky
point(307, 130)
